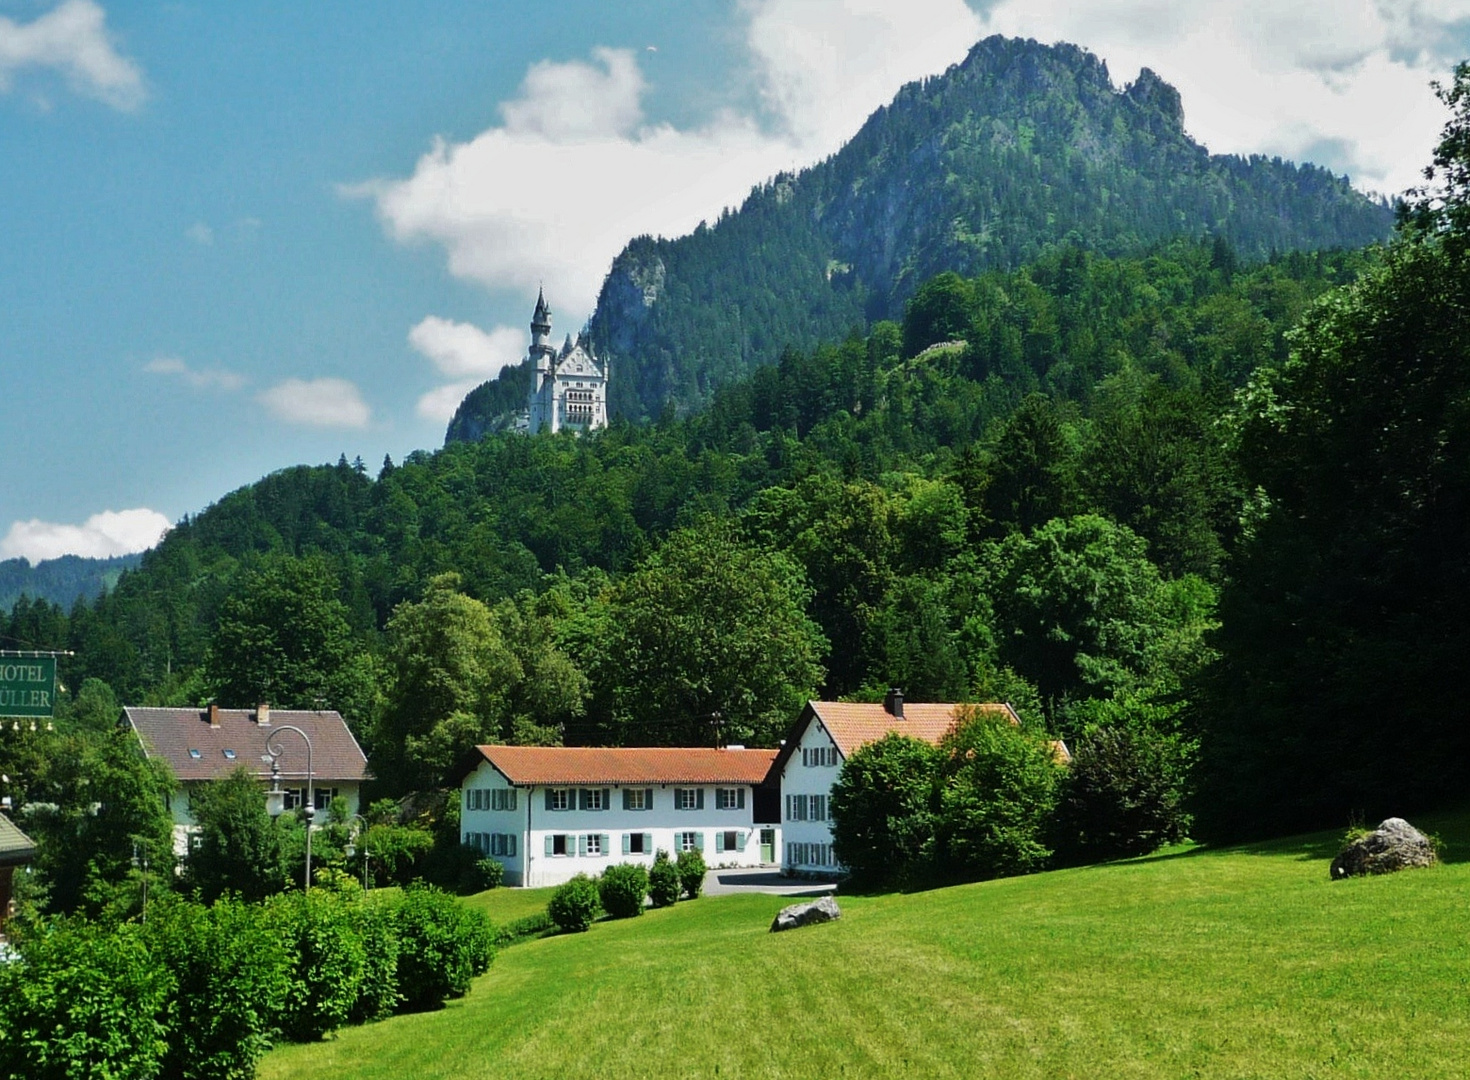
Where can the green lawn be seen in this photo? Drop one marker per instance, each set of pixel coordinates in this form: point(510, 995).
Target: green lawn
point(1243, 963)
point(503, 905)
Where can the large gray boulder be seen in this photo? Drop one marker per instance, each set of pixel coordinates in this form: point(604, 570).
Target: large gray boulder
point(818, 911)
point(1394, 845)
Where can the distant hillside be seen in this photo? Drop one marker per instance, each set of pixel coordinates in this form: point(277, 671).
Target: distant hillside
point(61, 581)
point(1018, 148)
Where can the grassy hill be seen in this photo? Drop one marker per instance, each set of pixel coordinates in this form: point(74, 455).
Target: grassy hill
point(1239, 963)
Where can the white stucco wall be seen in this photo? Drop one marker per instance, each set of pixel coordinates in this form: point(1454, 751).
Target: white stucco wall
point(802, 780)
point(663, 824)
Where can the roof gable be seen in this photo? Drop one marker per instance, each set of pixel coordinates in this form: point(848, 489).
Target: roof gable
point(578, 365)
point(15, 846)
point(195, 750)
point(532, 766)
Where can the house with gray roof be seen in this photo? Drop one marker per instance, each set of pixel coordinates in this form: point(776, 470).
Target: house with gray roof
point(16, 849)
point(206, 744)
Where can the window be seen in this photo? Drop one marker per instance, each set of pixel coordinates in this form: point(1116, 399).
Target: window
point(557, 844)
point(322, 797)
point(230, 755)
point(558, 799)
point(638, 843)
point(637, 798)
point(817, 804)
point(690, 841)
point(495, 799)
point(730, 840)
point(796, 808)
point(195, 754)
point(593, 798)
point(592, 844)
point(819, 757)
point(798, 854)
point(689, 798)
point(730, 798)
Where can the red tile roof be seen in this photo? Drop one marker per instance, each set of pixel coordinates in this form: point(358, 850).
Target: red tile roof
point(526, 766)
point(174, 734)
point(851, 723)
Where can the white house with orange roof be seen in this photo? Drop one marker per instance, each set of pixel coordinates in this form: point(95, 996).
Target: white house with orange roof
point(548, 813)
point(823, 737)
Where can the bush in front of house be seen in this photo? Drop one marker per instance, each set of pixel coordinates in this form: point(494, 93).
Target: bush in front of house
point(575, 905)
point(442, 946)
point(663, 881)
point(622, 890)
point(883, 811)
point(691, 869)
point(481, 874)
point(83, 1001)
point(376, 919)
point(329, 962)
point(228, 966)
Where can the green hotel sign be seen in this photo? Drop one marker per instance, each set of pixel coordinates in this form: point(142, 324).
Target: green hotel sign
point(27, 685)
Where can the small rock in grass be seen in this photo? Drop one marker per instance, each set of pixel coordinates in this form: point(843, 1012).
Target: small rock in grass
point(818, 911)
point(1394, 845)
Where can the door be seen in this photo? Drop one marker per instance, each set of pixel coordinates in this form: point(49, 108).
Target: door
point(768, 845)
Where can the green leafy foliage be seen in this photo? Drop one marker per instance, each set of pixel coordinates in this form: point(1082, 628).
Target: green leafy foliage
point(239, 848)
point(442, 946)
point(376, 922)
point(83, 1001)
point(329, 962)
point(997, 791)
point(622, 890)
point(575, 905)
point(692, 868)
point(663, 880)
point(883, 811)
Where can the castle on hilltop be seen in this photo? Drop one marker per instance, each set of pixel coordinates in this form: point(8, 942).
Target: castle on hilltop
point(570, 387)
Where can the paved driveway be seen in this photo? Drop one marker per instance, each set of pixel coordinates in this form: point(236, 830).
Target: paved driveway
point(762, 880)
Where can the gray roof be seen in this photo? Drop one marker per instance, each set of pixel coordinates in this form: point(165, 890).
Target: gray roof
point(15, 846)
point(197, 750)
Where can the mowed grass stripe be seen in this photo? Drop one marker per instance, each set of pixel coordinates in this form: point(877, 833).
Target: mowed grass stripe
point(1246, 963)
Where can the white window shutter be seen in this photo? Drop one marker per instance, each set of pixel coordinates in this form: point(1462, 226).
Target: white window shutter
point(627, 843)
point(699, 841)
point(549, 842)
point(719, 841)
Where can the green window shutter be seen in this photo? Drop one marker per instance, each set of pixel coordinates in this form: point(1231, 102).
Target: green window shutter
point(719, 841)
point(606, 844)
point(582, 844)
point(549, 842)
point(648, 843)
point(699, 841)
point(741, 839)
point(740, 799)
point(627, 843)
point(581, 798)
point(699, 799)
point(510, 845)
point(627, 798)
point(648, 798)
point(606, 798)
point(510, 799)
point(548, 799)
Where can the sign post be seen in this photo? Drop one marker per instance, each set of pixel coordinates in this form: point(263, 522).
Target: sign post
point(27, 685)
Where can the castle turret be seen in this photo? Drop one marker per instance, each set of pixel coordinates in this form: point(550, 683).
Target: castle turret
point(541, 350)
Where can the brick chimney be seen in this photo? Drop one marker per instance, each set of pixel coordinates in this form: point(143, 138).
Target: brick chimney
point(893, 703)
point(213, 715)
point(263, 714)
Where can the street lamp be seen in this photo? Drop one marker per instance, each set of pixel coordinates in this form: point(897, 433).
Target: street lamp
point(351, 849)
point(275, 798)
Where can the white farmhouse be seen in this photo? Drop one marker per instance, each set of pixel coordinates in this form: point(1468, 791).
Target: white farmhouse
point(824, 736)
point(550, 812)
point(207, 744)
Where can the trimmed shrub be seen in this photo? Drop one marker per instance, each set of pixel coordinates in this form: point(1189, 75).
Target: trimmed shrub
point(328, 963)
point(83, 1002)
point(691, 872)
point(527, 926)
point(883, 811)
point(997, 790)
point(226, 963)
point(622, 889)
point(575, 905)
point(376, 918)
point(480, 875)
point(442, 946)
point(1122, 796)
point(397, 854)
point(663, 881)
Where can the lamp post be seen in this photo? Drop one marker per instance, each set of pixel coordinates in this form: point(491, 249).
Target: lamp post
point(275, 799)
point(350, 850)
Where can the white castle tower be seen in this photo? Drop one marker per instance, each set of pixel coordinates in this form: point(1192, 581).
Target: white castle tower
point(570, 387)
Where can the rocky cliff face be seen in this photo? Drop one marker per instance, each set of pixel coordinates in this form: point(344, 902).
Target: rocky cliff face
point(1018, 148)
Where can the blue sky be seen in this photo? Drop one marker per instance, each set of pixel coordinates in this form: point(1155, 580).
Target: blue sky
point(239, 237)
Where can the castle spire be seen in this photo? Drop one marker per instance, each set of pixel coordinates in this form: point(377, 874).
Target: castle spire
point(541, 317)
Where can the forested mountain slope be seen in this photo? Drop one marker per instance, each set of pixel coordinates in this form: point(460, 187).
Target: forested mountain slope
point(1020, 147)
point(60, 581)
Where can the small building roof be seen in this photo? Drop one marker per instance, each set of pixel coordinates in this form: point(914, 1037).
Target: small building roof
point(15, 846)
point(532, 766)
point(197, 748)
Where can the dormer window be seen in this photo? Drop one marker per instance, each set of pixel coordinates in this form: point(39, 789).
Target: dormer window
point(195, 754)
point(230, 754)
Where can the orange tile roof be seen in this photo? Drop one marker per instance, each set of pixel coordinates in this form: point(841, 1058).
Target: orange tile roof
point(852, 724)
point(526, 766)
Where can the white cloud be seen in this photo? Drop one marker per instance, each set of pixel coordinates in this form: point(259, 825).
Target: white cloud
point(200, 233)
point(72, 39)
point(317, 403)
point(205, 379)
point(576, 169)
point(112, 532)
point(465, 353)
